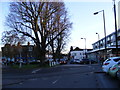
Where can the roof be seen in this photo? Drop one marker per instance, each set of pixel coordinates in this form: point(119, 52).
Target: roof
point(78, 49)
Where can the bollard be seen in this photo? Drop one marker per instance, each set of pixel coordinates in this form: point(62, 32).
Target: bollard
point(54, 63)
point(50, 64)
point(20, 65)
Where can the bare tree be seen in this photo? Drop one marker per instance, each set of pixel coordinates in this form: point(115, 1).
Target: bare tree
point(62, 24)
point(12, 37)
point(41, 19)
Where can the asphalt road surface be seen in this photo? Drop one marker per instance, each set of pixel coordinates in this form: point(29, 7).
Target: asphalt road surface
point(62, 76)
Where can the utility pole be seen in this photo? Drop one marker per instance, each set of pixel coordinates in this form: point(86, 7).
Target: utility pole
point(105, 51)
point(115, 28)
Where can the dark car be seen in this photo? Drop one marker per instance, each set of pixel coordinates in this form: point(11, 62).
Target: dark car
point(85, 61)
point(93, 61)
point(118, 73)
point(75, 61)
point(72, 61)
point(63, 61)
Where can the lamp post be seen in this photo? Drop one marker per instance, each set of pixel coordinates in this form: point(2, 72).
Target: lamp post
point(104, 28)
point(98, 46)
point(98, 39)
point(115, 28)
point(85, 46)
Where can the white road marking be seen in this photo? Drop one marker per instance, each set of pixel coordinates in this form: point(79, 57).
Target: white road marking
point(54, 81)
point(36, 70)
point(58, 78)
point(33, 79)
point(20, 83)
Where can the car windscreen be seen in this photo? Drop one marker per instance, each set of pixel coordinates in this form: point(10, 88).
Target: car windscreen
point(117, 59)
point(62, 60)
point(108, 59)
point(119, 63)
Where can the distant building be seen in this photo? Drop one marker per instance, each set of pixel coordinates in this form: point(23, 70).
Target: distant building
point(78, 53)
point(100, 53)
point(24, 52)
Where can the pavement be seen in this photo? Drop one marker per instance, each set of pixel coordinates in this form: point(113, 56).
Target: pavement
point(13, 76)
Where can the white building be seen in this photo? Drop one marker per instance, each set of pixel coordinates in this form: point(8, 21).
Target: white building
point(78, 53)
point(99, 53)
point(99, 46)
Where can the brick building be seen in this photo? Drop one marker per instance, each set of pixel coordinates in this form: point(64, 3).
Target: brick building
point(24, 52)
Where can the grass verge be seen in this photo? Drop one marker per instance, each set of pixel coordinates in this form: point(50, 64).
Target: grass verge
point(29, 66)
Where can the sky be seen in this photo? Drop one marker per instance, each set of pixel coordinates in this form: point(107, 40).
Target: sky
point(85, 23)
point(4, 10)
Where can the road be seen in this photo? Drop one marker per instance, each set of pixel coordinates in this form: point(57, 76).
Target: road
point(62, 76)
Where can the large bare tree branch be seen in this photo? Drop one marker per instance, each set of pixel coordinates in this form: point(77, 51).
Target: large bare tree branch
point(47, 21)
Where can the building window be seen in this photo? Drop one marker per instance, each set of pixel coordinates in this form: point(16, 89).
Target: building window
point(118, 33)
point(113, 37)
point(30, 48)
point(108, 42)
point(74, 54)
point(101, 45)
point(95, 46)
point(118, 38)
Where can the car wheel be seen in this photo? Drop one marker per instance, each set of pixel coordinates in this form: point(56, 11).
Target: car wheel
point(118, 74)
point(108, 71)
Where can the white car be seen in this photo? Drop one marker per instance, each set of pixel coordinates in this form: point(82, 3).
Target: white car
point(109, 63)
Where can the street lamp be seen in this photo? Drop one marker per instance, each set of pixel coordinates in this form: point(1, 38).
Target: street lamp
point(85, 46)
point(104, 28)
point(98, 39)
point(115, 28)
point(99, 47)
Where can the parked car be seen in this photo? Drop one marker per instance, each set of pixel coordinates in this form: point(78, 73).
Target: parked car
point(93, 61)
point(109, 63)
point(75, 61)
point(33, 61)
point(85, 61)
point(114, 69)
point(118, 73)
point(72, 61)
point(48, 60)
point(20, 61)
point(63, 61)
